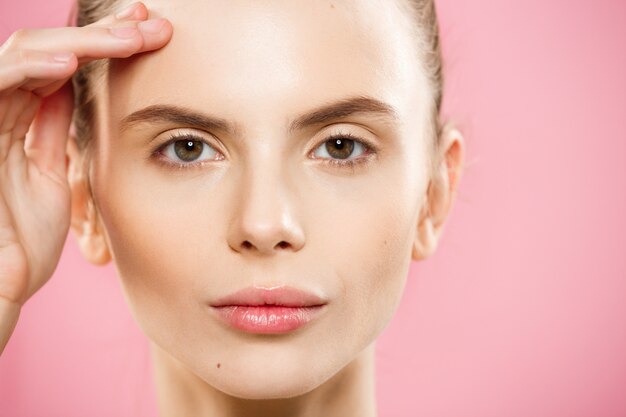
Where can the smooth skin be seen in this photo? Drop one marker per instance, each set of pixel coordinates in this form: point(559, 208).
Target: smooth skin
point(261, 205)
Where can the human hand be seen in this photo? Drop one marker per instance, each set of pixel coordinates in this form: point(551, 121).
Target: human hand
point(36, 107)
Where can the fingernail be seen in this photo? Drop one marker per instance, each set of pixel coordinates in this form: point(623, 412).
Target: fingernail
point(124, 32)
point(152, 25)
point(63, 57)
point(127, 12)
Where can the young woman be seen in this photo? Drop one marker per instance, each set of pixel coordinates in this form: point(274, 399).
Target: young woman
point(260, 173)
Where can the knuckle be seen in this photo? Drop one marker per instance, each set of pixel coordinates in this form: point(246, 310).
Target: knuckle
point(18, 37)
point(16, 42)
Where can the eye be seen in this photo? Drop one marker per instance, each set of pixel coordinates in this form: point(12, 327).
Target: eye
point(185, 150)
point(340, 147)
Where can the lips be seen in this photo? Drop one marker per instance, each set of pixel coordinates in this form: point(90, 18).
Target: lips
point(269, 310)
point(277, 296)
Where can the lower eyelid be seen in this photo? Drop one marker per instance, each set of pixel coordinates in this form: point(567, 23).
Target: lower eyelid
point(352, 166)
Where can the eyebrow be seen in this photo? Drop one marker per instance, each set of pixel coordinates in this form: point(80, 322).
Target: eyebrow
point(164, 113)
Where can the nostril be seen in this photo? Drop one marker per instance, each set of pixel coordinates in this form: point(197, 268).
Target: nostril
point(282, 245)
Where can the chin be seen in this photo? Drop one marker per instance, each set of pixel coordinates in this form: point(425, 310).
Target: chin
point(267, 391)
point(269, 376)
point(272, 385)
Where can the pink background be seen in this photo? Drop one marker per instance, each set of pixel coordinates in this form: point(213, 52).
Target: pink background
point(521, 312)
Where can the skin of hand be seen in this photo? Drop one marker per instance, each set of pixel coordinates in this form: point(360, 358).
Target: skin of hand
point(36, 104)
point(259, 204)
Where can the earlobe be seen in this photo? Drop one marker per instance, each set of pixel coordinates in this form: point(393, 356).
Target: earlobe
point(85, 220)
point(425, 239)
point(440, 194)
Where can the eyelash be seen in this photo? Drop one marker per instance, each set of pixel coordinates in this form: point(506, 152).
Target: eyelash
point(353, 163)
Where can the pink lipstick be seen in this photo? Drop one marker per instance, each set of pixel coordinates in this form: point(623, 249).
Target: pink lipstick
point(273, 310)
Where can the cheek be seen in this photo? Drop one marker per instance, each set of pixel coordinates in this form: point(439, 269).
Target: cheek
point(371, 254)
point(374, 264)
point(160, 240)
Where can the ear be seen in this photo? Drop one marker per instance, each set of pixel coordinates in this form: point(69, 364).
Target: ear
point(85, 224)
point(440, 194)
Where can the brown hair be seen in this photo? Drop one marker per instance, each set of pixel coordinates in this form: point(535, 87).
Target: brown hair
point(85, 80)
point(430, 56)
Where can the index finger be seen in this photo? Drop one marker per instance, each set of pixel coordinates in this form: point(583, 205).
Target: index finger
point(120, 40)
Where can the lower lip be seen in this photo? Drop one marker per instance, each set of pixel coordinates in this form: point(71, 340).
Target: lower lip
point(267, 319)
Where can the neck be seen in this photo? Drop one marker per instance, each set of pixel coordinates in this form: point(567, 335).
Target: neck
point(350, 392)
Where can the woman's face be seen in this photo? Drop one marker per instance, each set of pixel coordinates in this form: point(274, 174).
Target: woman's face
point(182, 237)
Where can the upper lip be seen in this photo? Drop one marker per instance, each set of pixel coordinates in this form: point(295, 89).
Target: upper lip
point(280, 296)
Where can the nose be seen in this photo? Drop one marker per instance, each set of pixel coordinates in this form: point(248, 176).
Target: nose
point(264, 221)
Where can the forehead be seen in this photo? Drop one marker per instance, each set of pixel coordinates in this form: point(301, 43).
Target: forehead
point(243, 56)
